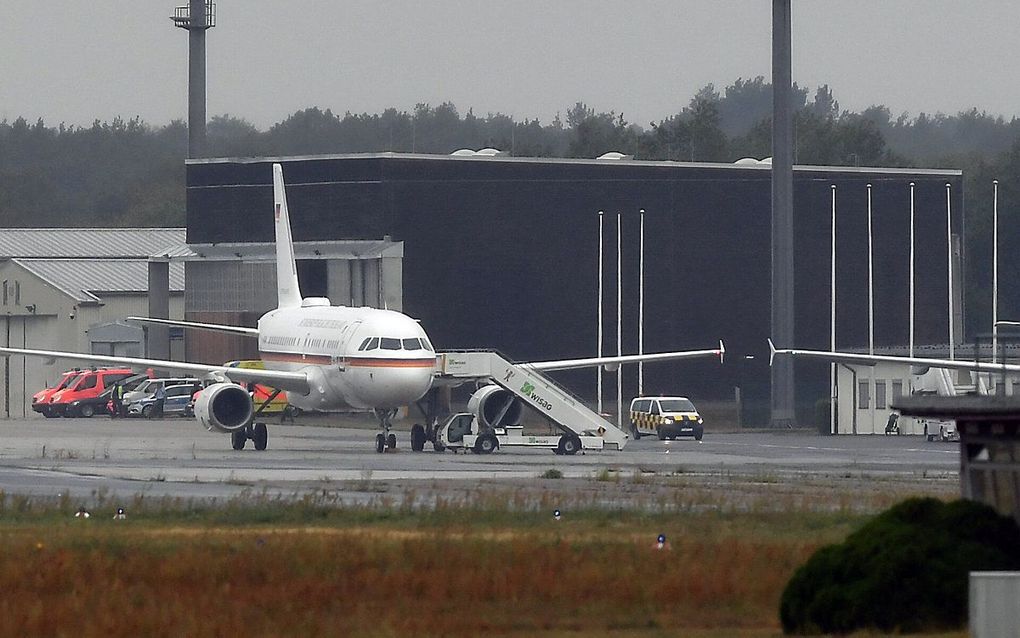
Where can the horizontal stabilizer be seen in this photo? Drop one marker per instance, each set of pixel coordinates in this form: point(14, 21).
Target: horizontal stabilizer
point(570, 364)
point(874, 359)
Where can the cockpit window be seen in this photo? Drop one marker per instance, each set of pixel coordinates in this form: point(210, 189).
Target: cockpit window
point(425, 344)
point(389, 343)
point(412, 344)
point(364, 344)
point(373, 344)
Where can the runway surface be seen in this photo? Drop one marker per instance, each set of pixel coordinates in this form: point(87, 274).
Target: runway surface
point(176, 458)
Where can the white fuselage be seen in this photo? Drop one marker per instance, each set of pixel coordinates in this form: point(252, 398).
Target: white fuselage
point(354, 357)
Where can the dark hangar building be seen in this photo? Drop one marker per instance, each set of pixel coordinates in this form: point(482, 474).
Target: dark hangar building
point(502, 252)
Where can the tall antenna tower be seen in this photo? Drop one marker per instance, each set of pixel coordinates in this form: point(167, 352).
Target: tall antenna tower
point(197, 16)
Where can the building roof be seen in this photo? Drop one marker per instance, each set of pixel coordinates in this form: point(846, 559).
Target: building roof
point(266, 251)
point(595, 162)
point(73, 243)
point(85, 280)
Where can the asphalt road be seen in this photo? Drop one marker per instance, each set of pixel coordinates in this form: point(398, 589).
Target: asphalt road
point(177, 458)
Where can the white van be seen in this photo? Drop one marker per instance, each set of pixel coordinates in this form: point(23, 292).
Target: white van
point(665, 417)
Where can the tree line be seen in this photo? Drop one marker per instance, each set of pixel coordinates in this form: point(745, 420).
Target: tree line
point(131, 173)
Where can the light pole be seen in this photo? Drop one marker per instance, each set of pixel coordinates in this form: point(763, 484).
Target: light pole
point(911, 269)
point(871, 314)
point(599, 345)
point(619, 320)
point(949, 254)
point(832, 316)
point(995, 268)
point(641, 310)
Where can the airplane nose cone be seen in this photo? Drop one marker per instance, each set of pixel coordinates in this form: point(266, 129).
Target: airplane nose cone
point(396, 387)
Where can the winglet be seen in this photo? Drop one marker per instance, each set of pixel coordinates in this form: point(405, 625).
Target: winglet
point(722, 351)
point(288, 293)
point(772, 352)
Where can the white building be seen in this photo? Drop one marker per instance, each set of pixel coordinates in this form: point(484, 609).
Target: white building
point(69, 289)
point(864, 394)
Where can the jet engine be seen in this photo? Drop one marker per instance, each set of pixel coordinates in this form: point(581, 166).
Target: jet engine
point(495, 407)
point(224, 407)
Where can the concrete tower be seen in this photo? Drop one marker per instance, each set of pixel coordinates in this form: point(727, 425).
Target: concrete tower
point(783, 401)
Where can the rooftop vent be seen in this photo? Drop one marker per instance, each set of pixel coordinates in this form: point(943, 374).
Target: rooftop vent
point(485, 152)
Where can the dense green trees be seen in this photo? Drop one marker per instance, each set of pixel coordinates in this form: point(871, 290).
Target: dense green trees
point(127, 172)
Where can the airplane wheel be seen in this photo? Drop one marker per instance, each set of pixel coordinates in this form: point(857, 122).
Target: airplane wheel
point(380, 443)
point(569, 445)
point(260, 436)
point(417, 438)
point(238, 439)
point(486, 444)
point(391, 441)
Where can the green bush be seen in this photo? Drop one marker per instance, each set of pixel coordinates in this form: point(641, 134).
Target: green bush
point(904, 571)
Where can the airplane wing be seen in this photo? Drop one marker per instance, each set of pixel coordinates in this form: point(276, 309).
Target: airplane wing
point(292, 381)
point(869, 359)
point(217, 327)
point(570, 364)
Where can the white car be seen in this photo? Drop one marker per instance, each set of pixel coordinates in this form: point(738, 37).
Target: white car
point(665, 417)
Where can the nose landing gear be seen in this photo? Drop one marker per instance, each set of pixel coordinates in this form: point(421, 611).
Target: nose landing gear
point(385, 440)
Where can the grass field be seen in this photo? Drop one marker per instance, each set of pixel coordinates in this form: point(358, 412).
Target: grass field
point(490, 562)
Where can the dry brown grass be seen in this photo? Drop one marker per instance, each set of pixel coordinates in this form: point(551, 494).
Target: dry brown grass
point(475, 562)
point(139, 578)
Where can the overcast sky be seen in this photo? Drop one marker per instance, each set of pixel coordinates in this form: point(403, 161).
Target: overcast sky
point(75, 61)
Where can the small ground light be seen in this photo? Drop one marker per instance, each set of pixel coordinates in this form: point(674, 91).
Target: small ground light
point(120, 514)
point(556, 514)
point(661, 542)
point(82, 513)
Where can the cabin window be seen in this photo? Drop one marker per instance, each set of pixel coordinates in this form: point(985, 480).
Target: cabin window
point(412, 344)
point(389, 343)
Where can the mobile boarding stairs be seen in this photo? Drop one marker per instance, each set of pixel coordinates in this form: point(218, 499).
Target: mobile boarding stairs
point(582, 427)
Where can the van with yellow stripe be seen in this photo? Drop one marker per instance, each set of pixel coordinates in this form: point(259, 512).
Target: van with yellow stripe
point(665, 417)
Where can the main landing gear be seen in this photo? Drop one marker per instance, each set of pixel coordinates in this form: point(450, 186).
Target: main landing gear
point(257, 432)
point(428, 433)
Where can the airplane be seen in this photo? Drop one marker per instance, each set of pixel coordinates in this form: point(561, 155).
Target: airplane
point(324, 357)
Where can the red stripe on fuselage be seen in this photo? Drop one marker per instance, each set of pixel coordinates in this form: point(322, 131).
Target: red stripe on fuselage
point(359, 362)
point(371, 362)
point(293, 357)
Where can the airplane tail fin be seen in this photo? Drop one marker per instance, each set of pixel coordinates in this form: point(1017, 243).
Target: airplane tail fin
point(288, 293)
